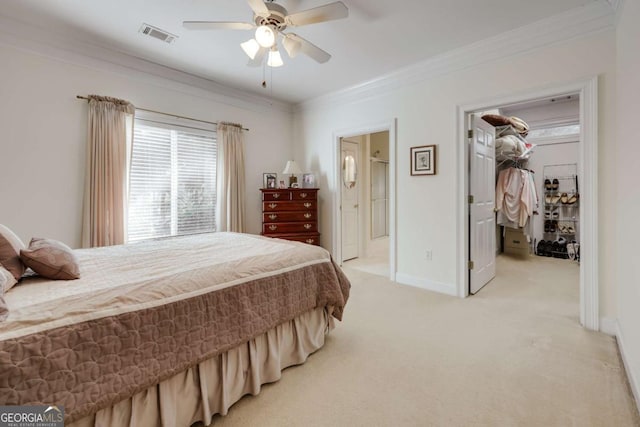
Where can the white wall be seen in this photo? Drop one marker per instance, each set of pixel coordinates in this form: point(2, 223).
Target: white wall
point(628, 192)
point(42, 148)
point(426, 114)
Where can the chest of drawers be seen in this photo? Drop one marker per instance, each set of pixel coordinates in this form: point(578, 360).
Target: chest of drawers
point(291, 214)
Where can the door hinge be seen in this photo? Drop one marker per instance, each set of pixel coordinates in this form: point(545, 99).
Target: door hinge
point(470, 265)
point(471, 199)
point(470, 133)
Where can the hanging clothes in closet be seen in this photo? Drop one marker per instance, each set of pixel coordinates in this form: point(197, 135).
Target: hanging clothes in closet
point(516, 199)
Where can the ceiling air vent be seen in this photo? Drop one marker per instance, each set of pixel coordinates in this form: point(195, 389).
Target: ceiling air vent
point(157, 33)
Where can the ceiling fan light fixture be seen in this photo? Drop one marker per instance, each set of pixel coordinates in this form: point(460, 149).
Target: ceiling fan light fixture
point(251, 48)
point(291, 46)
point(274, 60)
point(265, 36)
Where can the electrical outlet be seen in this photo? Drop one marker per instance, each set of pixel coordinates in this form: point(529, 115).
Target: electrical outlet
point(429, 255)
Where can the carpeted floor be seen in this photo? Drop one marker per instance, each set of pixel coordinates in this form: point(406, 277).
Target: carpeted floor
point(512, 355)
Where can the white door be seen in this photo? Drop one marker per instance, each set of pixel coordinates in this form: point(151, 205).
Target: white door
point(482, 194)
point(379, 199)
point(349, 206)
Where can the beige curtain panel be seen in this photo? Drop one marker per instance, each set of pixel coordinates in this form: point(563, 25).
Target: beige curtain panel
point(105, 191)
point(230, 176)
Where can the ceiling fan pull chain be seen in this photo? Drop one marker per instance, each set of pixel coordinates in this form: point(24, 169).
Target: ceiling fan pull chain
point(264, 77)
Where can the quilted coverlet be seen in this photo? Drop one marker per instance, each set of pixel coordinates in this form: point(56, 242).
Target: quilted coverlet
point(141, 313)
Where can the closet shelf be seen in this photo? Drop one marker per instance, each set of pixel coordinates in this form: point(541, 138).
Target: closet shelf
point(560, 177)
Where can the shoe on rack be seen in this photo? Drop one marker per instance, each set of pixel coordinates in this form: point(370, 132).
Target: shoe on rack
point(564, 198)
point(549, 248)
point(573, 199)
point(570, 230)
point(553, 226)
point(571, 251)
point(555, 199)
point(555, 184)
point(547, 199)
point(542, 248)
point(576, 247)
point(547, 226)
point(547, 185)
point(555, 215)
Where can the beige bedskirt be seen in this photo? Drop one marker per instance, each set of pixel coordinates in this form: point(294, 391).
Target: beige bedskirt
point(212, 386)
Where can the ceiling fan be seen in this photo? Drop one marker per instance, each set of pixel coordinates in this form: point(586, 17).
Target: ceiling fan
point(270, 21)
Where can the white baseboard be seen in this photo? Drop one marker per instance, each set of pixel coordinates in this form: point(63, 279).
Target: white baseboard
point(631, 375)
point(430, 285)
point(609, 326)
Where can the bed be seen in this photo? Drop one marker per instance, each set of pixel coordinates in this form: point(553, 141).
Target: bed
point(167, 332)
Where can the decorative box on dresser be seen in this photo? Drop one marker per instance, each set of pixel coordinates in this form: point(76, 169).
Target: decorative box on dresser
point(291, 214)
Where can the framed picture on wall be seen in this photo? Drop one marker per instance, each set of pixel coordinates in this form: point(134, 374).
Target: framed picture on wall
point(423, 160)
point(269, 180)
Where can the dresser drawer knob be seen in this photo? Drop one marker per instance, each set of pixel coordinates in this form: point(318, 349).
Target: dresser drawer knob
point(303, 195)
point(273, 227)
point(273, 216)
point(307, 205)
point(276, 195)
point(308, 226)
point(307, 215)
point(310, 241)
point(273, 205)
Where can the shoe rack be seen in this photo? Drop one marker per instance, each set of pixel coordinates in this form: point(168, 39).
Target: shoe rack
point(561, 207)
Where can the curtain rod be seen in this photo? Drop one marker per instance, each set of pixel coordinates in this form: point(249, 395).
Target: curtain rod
point(166, 114)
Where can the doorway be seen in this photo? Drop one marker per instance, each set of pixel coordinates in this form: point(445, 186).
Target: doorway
point(587, 168)
point(364, 216)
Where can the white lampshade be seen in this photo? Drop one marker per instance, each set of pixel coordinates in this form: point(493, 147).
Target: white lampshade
point(291, 168)
point(275, 60)
point(291, 46)
point(251, 48)
point(265, 36)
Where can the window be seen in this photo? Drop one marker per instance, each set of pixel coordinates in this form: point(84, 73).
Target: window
point(172, 182)
point(554, 131)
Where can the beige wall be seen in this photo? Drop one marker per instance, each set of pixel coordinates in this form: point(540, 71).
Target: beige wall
point(42, 146)
point(380, 142)
point(627, 199)
point(426, 113)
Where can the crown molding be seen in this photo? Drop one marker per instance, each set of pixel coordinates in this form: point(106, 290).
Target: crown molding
point(616, 6)
point(63, 48)
point(578, 22)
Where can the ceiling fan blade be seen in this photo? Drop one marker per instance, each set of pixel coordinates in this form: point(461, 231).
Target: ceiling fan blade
point(214, 25)
point(259, 8)
point(257, 61)
point(328, 12)
point(309, 49)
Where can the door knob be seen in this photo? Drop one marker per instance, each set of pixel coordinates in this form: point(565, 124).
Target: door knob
point(355, 206)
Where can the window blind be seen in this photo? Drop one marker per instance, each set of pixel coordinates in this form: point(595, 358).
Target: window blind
point(172, 182)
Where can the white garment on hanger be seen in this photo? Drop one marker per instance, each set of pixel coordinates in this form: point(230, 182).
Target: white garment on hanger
point(516, 198)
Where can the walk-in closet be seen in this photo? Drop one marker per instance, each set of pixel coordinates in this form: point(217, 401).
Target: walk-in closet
point(537, 198)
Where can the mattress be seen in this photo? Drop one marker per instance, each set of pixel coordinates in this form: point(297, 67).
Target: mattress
point(142, 313)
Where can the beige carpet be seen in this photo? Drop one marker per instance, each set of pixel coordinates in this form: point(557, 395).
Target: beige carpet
point(513, 355)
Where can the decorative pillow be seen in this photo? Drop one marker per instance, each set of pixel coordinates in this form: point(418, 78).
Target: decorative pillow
point(7, 281)
point(51, 259)
point(496, 119)
point(10, 246)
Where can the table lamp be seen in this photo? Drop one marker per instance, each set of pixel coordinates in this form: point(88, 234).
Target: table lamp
point(292, 169)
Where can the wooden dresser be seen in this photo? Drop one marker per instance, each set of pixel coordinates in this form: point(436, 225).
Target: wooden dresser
point(291, 214)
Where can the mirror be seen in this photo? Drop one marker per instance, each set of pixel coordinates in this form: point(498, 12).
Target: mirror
point(349, 172)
